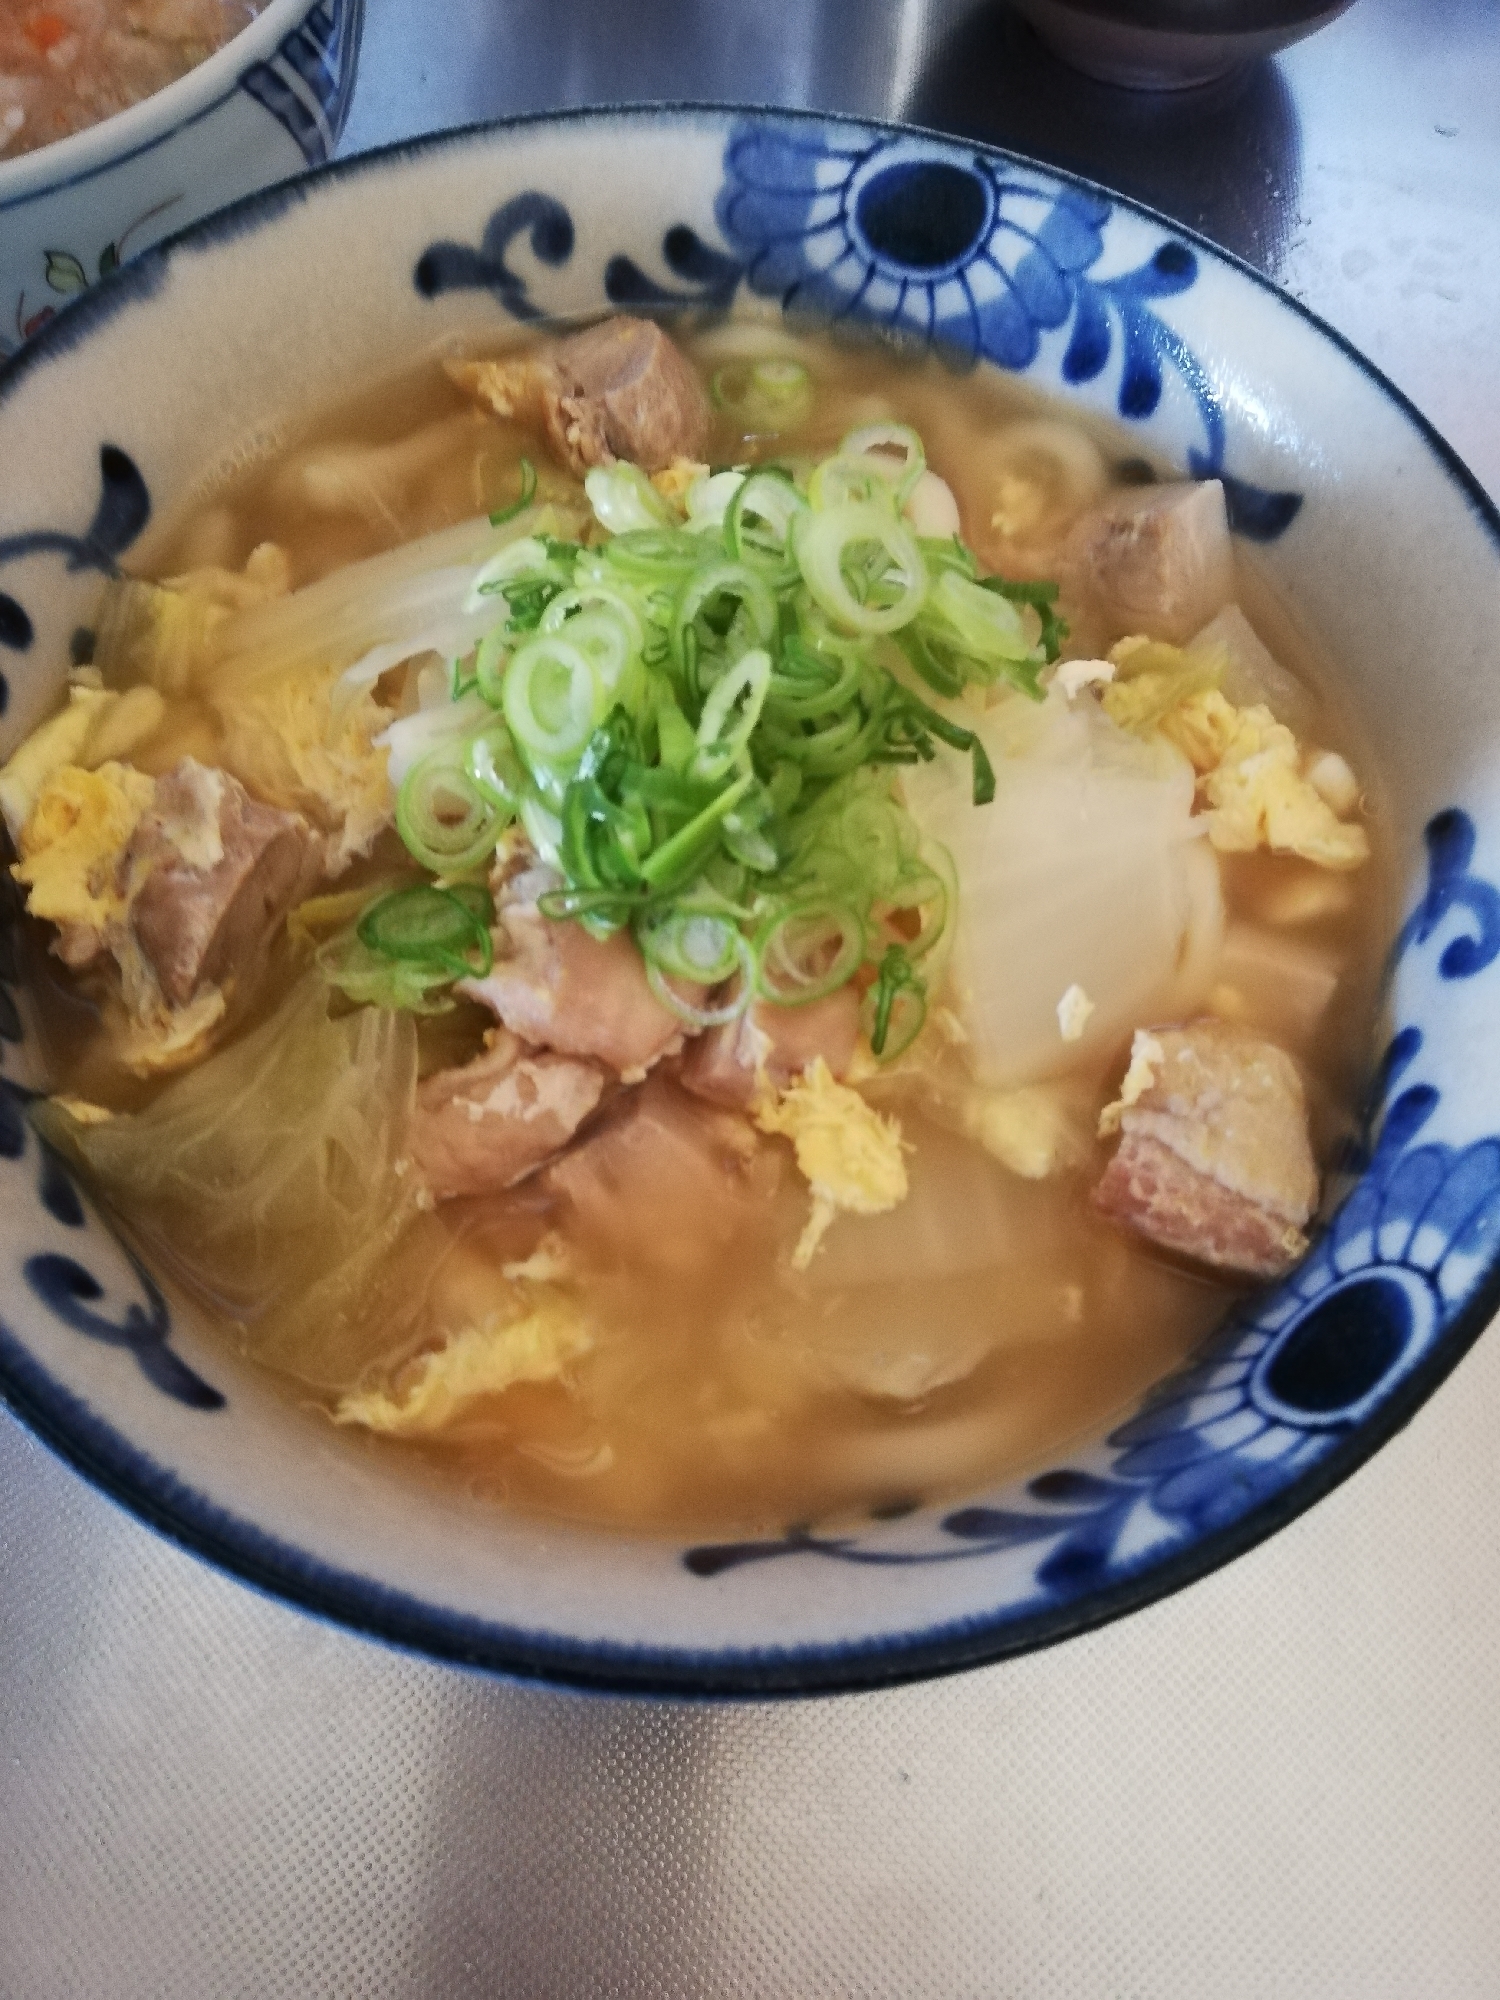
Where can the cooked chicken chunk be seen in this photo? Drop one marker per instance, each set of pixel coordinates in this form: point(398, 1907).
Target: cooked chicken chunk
point(555, 986)
point(486, 1126)
point(666, 1182)
point(1155, 558)
point(724, 1064)
point(1214, 1160)
point(617, 390)
point(220, 873)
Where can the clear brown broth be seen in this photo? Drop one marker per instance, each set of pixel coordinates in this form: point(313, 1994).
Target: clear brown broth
point(721, 1396)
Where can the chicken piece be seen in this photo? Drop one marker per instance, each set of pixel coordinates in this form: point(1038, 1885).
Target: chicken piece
point(666, 1182)
point(220, 872)
point(724, 1064)
point(1155, 558)
point(561, 989)
point(1214, 1160)
point(1147, 1187)
point(620, 389)
point(486, 1126)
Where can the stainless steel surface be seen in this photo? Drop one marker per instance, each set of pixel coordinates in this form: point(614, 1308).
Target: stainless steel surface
point(1283, 1781)
point(1361, 170)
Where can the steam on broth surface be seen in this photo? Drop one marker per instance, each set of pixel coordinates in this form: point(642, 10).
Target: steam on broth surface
point(687, 1164)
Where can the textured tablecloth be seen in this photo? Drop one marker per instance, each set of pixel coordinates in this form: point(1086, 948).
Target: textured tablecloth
point(1283, 1782)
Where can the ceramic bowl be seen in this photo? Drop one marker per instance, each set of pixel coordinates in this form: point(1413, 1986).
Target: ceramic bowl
point(1380, 541)
point(1172, 44)
point(270, 103)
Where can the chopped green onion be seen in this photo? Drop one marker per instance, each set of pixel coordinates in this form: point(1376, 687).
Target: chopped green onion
point(654, 555)
point(949, 553)
point(623, 499)
point(717, 601)
point(808, 951)
point(676, 858)
point(604, 640)
point(834, 544)
point(594, 597)
point(957, 738)
point(369, 979)
point(490, 660)
point(527, 558)
point(528, 494)
point(430, 927)
point(968, 630)
point(1041, 597)
point(758, 524)
point(765, 397)
point(701, 1017)
point(447, 822)
point(730, 714)
point(543, 829)
point(691, 944)
point(896, 1005)
point(806, 685)
point(674, 734)
point(840, 482)
point(877, 443)
point(552, 698)
point(709, 496)
point(495, 768)
point(694, 722)
point(923, 890)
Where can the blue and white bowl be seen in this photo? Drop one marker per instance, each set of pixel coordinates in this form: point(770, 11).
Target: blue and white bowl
point(270, 103)
point(1379, 539)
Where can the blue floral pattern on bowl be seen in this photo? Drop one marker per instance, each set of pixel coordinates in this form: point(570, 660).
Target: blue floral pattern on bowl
point(307, 84)
point(1297, 1368)
point(976, 258)
point(935, 246)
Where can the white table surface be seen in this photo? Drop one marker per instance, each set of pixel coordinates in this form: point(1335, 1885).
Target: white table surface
point(1285, 1781)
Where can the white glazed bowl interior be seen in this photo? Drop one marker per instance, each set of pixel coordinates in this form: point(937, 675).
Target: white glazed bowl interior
point(1373, 532)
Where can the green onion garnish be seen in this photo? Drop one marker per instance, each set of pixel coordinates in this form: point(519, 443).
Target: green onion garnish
point(430, 927)
point(528, 494)
point(699, 724)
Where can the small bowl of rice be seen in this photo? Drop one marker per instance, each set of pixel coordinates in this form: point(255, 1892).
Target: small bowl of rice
point(121, 121)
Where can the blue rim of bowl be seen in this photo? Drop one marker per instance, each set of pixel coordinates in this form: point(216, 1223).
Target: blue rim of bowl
point(358, 1603)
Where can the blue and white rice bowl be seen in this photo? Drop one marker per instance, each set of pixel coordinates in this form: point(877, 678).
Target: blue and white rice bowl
point(1376, 536)
point(270, 103)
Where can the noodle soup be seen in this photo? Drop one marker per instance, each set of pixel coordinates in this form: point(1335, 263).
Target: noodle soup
point(704, 934)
